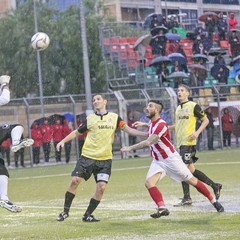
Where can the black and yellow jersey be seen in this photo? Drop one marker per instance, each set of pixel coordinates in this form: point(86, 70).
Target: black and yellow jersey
point(186, 117)
point(100, 135)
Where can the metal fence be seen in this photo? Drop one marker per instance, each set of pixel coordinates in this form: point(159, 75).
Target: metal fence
point(26, 111)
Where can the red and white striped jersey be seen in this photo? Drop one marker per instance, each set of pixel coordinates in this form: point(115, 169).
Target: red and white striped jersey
point(163, 148)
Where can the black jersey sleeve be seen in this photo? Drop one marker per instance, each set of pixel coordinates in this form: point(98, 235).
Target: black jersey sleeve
point(82, 127)
point(198, 112)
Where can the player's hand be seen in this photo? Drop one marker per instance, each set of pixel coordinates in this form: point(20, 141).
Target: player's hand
point(125, 149)
point(60, 145)
point(194, 136)
point(139, 124)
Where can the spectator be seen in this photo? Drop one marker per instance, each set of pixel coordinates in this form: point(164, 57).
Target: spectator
point(200, 49)
point(177, 67)
point(234, 44)
point(232, 21)
point(201, 77)
point(67, 145)
point(222, 27)
point(154, 23)
point(222, 76)
point(132, 139)
point(47, 133)
point(210, 27)
point(163, 72)
point(172, 23)
point(5, 150)
point(210, 128)
point(17, 155)
point(199, 31)
point(219, 59)
point(227, 122)
point(57, 128)
point(196, 43)
point(36, 147)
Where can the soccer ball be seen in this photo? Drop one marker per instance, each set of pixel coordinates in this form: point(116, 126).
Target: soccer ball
point(40, 41)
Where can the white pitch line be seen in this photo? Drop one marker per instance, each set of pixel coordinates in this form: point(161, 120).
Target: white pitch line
point(118, 169)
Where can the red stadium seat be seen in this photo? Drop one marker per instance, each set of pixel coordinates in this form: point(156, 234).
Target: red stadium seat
point(224, 44)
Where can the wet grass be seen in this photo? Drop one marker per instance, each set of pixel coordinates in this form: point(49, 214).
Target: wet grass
point(125, 209)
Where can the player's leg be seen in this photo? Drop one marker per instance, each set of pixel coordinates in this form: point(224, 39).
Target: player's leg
point(102, 175)
point(217, 187)
point(155, 173)
point(4, 201)
point(186, 154)
point(69, 196)
point(81, 171)
point(203, 190)
point(16, 135)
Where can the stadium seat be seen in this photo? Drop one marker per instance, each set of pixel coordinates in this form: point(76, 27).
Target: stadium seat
point(224, 44)
point(231, 81)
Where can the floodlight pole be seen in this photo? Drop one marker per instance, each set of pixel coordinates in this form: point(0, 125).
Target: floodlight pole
point(87, 81)
point(38, 61)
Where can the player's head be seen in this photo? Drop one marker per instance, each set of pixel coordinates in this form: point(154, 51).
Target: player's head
point(100, 102)
point(154, 109)
point(183, 92)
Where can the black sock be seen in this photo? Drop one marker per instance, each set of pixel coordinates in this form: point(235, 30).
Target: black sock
point(186, 190)
point(202, 177)
point(68, 201)
point(92, 206)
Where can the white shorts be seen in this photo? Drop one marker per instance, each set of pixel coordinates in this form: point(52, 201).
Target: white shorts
point(172, 166)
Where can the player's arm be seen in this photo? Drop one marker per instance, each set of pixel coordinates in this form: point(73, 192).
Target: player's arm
point(74, 134)
point(140, 124)
point(172, 127)
point(68, 138)
point(199, 113)
point(143, 144)
point(4, 89)
point(131, 131)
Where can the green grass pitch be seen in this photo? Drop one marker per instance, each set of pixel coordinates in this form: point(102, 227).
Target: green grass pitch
point(126, 206)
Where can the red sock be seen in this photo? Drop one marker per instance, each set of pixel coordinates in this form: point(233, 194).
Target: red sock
point(203, 190)
point(156, 196)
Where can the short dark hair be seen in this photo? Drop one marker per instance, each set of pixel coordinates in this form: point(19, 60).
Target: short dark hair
point(186, 87)
point(156, 102)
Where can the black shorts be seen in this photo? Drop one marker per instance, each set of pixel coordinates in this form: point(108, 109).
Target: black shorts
point(3, 169)
point(85, 167)
point(188, 154)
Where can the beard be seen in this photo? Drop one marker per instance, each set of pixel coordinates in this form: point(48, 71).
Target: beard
point(150, 115)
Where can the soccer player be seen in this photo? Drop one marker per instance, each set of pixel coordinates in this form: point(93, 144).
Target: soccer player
point(96, 157)
point(166, 161)
point(14, 132)
point(187, 114)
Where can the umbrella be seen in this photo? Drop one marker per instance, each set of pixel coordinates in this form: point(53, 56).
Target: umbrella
point(54, 117)
point(197, 57)
point(173, 36)
point(150, 17)
point(217, 51)
point(38, 121)
point(144, 40)
point(81, 117)
point(177, 57)
point(156, 30)
point(196, 67)
point(176, 75)
point(69, 117)
point(206, 15)
point(160, 37)
point(161, 59)
point(216, 69)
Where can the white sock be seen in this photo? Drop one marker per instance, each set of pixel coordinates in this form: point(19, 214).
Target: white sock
point(16, 134)
point(3, 187)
